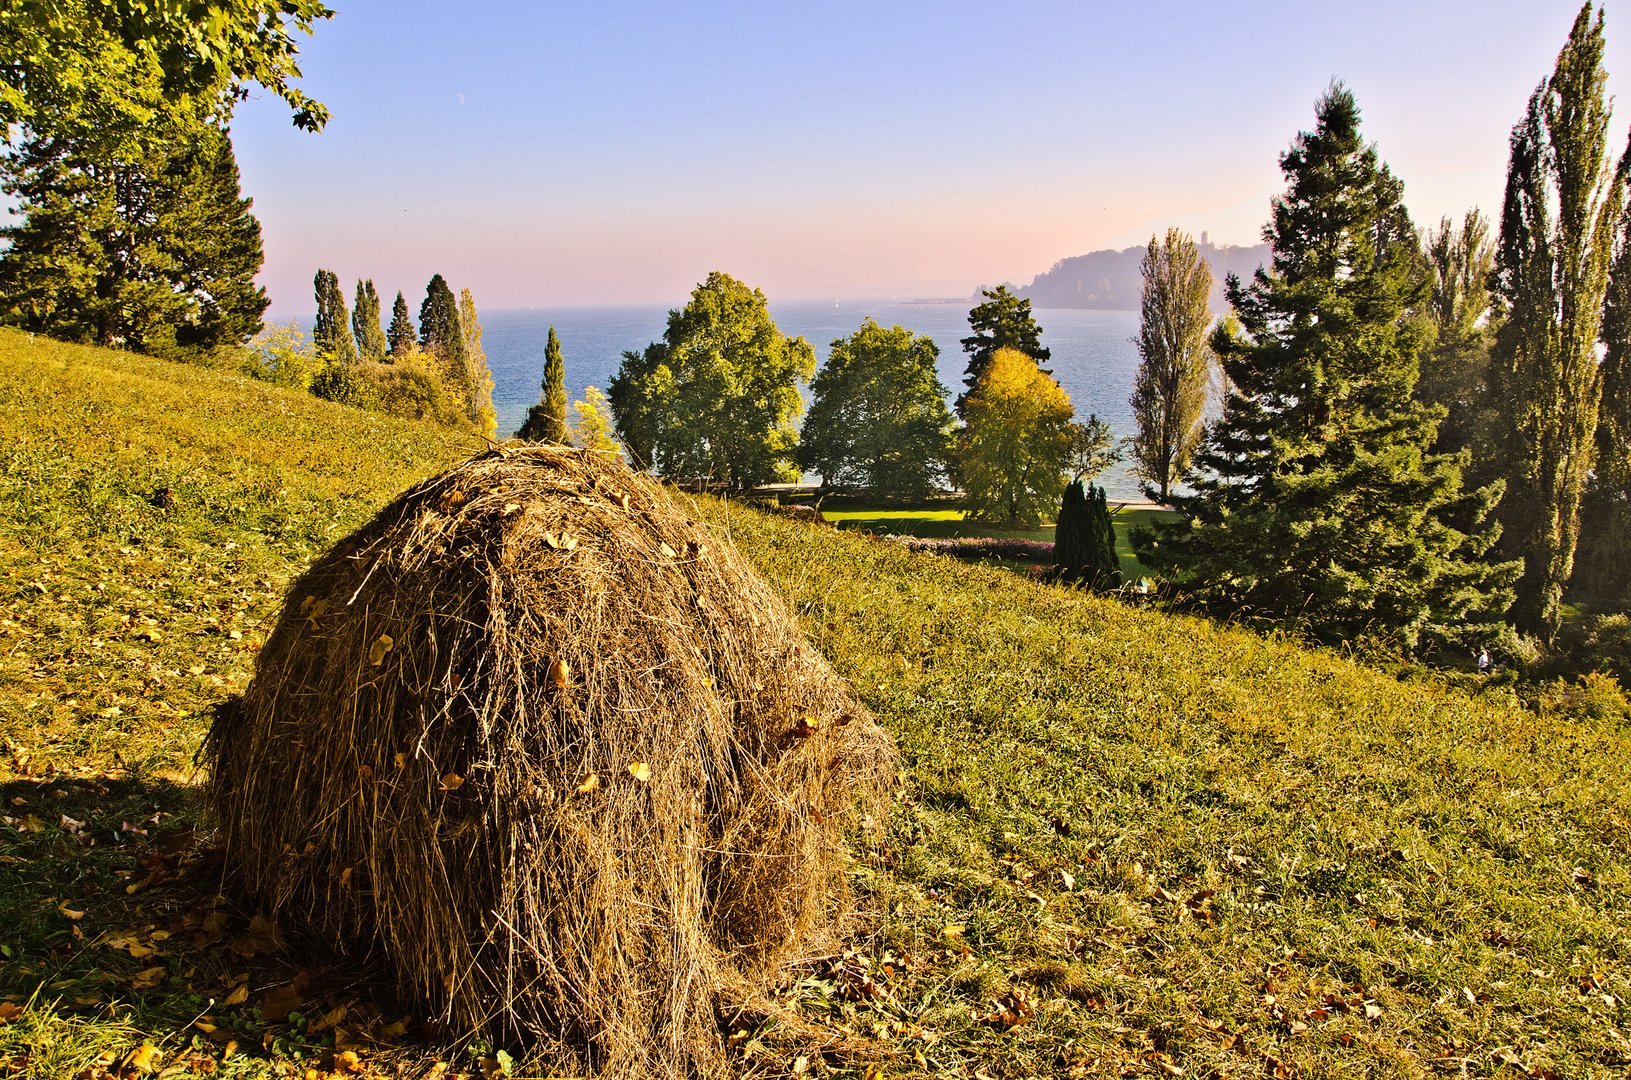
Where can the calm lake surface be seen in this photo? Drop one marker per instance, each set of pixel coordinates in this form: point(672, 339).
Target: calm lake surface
point(1094, 358)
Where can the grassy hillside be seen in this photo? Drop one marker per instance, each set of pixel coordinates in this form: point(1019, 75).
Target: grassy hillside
point(1124, 843)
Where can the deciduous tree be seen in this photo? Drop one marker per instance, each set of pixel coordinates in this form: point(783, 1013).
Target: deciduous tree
point(1455, 361)
point(717, 399)
point(476, 377)
point(1175, 360)
point(1316, 497)
point(1602, 569)
point(878, 420)
point(592, 426)
point(1552, 265)
point(1015, 446)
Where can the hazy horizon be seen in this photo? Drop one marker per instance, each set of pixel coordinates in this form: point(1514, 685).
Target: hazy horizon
point(555, 155)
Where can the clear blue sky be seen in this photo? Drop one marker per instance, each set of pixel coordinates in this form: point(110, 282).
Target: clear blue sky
point(549, 153)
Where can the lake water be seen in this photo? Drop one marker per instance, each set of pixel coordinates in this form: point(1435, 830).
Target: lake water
point(1094, 358)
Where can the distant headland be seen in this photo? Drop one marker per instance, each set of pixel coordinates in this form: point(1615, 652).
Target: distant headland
point(1111, 279)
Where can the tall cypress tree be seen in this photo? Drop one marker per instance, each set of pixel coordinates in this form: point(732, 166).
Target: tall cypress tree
point(331, 334)
point(365, 323)
point(1552, 266)
point(1316, 497)
point(1084, 540)
point(401, 337)
point(546, 421)
point(441, 335)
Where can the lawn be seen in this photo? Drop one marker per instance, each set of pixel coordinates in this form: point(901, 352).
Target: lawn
point(1124, 843)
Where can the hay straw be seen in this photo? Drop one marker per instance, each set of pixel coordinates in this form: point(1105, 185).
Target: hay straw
point(556, 750)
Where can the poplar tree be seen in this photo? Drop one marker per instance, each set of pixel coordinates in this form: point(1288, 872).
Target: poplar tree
point(331, 334)
point(1175, 359)
point(477, 376)
point(401, 338)
point(1455, 365)
point(546, 421)
point(1557, 227)
point(1603, 566)
point(1316, 497)
point(365, 323)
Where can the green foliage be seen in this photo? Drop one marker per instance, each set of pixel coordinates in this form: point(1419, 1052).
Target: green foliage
point(1455, 362)
point(410, 386)
point(129, 74)
point(1015, 445)
point(1175, 360)
point(158, 255)
point(439, 331)
point(281, 354)
point(331, 333)
point(365, 323)
point(1317, 500)
point(1084, 541)
point(546, 421)
point(1093, 448)
point(717, 399)
point(878, 421)
point(401, 338)
point(338, 381)
point(1557, 230)
point(1001, 321)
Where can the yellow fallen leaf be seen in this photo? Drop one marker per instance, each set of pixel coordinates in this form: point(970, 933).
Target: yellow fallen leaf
point(668, 552)
point(623, 500)
point(510, 508)
point(568, 542)
point(145, 1058)
point(239, 995)
point(452, 781)
point(560, 672)
point(640, 771)
point(953, 930)
point(147, 978)
point(377, 651)
point(69, 913)
point(401, 760)
point(589, 784)
point(550, 540)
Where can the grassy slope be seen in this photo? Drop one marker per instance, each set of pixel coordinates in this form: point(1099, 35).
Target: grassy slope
point(1184, 847)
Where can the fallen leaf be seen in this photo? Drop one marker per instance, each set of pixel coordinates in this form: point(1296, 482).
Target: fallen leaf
point(452, 781)
point(569, 542)
point(510, 508)
point(145, 1058)
point(9, 1011)
point(589, 784)
point(1373, 1011)
point(953, 930)
point(560, 672)
point(69, 913)
point(1069, 879)
point(147, 978)
point(239, 995)
point(668, 552)
point(640, 771)
point(377, 651)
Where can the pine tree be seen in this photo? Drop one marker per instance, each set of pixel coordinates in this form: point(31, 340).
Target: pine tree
point(157, 254)
point(401, 338)
point(546, 421)
point(1175, 359)
point(440, 332)
point(331, 334)
point(1557, 227)
point(365, 323)
point(1316, 496)
point(1001, 321)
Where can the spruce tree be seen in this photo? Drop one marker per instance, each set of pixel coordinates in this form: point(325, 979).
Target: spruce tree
point(441, 335)
point(365, 323)
point(401, 338)
point(546, 420)
point(157, 253)
point(1557, 225)
point(1316, 497)
point(331, 334)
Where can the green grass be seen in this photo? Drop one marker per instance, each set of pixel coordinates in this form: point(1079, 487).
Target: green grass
point(1168, 847)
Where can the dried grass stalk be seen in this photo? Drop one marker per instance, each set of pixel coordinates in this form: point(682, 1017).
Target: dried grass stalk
point(556, 750)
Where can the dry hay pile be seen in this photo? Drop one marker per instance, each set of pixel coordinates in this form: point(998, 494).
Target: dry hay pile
point(556, 750)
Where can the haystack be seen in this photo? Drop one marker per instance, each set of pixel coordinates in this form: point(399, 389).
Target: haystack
point(555, 750)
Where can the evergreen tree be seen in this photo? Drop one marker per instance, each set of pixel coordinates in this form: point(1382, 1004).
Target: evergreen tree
point(365, 323)
point(1552, 267)
point(1603, 567)
point(157, 254)
point(1016, 445)
point(1001, 321)
point(477, 376)
point(401, 338)
point(1316, 497)
point(331, 334)
point(717, 398)
point(546, 421)
point(878, 420)
point(1084, 540)
point(1175, 359)
point(440, 333)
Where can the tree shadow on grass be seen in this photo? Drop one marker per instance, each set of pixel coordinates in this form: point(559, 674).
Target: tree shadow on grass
point(111, 915)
